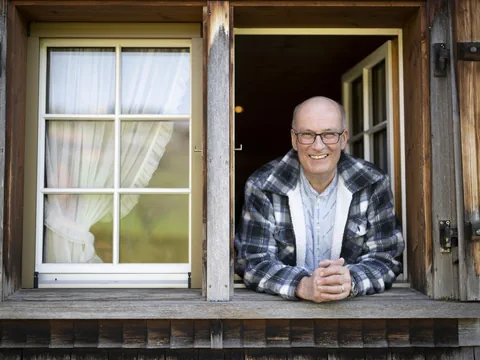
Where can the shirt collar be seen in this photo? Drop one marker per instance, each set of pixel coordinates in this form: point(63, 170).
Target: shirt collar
point(311, 192)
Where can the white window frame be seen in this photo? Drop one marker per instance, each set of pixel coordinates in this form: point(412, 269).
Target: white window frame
point(364, 70)
point(119, 36)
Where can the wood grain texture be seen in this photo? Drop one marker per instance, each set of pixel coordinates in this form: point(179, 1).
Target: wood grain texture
point(302, 333)
point(14, 150)
point(3, 100)
point(254, 334)
point(417, 148)
point(444, 271)
point(158, 334)
point(375, 333)
point(422, 332)
point(181, 334)
point(218, 152)
point(314, 15)
point(467, 29)
point(232, 333)
point(398, 333)
point(469, 332)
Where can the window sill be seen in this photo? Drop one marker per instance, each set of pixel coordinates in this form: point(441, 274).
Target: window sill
point(398, 303)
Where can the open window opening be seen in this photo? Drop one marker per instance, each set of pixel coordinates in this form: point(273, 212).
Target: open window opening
point(276, 72)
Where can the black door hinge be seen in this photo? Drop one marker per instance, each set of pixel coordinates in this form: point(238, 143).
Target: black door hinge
point(441, 56)
point(449, 234)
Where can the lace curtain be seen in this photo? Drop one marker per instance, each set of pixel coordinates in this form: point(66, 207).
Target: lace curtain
point(80, 154)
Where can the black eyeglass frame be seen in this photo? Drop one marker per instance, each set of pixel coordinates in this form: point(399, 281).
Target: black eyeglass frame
point(321, 136)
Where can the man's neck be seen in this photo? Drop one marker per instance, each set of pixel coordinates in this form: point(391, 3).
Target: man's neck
point(320, 183)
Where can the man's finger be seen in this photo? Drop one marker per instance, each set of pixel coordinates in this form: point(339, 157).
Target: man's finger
point(334, 270)
point(332, 280)
point(327, 262)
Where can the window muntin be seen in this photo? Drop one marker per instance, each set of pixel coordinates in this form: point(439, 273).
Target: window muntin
point(107, 167)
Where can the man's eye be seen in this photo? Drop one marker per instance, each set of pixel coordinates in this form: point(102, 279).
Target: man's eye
point(307, 135)
point(329, 135)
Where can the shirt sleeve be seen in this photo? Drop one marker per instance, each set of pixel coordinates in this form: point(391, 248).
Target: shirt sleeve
point(376, 268)
point(258, 251)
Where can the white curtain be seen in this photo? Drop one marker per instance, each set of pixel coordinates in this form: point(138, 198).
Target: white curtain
point(80, 154)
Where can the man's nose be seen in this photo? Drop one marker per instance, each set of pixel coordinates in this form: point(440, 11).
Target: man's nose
point(318, 143)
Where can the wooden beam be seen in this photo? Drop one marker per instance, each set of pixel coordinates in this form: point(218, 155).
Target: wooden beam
point(468, 74)
point(312, 3)
point(417, 146)
point(14, 150)
point(218, 151)
point(3, 98)
point(444, 271)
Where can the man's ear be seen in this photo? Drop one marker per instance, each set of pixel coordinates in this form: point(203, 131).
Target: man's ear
point(294, 139)
point(344, 139)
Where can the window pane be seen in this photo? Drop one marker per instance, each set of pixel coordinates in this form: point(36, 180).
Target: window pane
point(155, 81)
point(79, 154)
point(80, 80)
point(379, 90)
point(155, 230)
point(68, 237)
point(155, 154)
point(380, 153)
point(357, 106)
point(358, 149)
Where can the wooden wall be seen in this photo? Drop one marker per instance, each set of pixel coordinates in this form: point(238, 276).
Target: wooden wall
point(466, 353)
point(417, 151)
point(14, 150)
point(468, 30)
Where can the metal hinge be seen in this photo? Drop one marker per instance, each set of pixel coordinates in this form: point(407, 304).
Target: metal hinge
point(449, 234)
point(189, 280)
point(441, 56)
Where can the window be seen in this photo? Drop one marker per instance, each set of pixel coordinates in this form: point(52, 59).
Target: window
point(117, 180)
point(369, 112)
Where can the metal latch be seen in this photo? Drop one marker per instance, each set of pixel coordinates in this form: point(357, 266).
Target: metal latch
point(441, 57)
point(468, 51)
point(449, 234)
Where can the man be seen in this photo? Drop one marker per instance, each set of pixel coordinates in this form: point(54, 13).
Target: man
point(318, 224)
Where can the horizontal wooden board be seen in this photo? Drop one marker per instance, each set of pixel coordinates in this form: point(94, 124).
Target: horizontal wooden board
point(398, 303)
point(258, 334)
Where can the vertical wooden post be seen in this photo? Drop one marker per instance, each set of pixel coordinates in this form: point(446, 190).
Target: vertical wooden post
point(467, 29)
point(3, 76)
point(218, 150)
point(444, 271)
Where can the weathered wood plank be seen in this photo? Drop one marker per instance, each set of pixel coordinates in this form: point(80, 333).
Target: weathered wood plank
point(122, 354)
point(3, 99)
point(62, 333)
point(375, 333)
point(134, 334)
point(326, 333)
point(86, 334)
point(37, 334)
point(350, 333)
point(407, 354)
point(445, 332)
point(110, 334)
point(181, 334)
point(421, 332)
point(254, 334)
point(265, 354)
point(469, 332)
point(232, 333)
point(11, 354)
point(156, 354)
point(302, 333)
point(201, 333)
point(158, 334)
point(14, 150)
point(210, 354)
point(444, 271)
point(181, 354)
point(218, 152)
point(307, 354)
point(468, 74)
point(89, 355)
point(13, 334)
point(277, 333)
point(398, 333)
point(417, 148)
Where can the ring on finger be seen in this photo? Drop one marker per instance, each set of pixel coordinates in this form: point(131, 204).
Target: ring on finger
point(342, 288)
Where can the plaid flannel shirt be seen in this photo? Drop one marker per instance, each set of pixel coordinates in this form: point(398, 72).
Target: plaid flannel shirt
point(265, 241)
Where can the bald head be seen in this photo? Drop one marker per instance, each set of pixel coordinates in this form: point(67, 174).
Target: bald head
point(320, 104)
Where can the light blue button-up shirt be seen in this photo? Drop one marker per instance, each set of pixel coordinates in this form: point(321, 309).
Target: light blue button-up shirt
point(319, 212)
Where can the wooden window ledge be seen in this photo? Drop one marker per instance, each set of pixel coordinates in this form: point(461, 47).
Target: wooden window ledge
point(397, 303)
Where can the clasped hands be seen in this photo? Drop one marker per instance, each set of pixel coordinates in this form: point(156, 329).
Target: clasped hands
point(330, 281)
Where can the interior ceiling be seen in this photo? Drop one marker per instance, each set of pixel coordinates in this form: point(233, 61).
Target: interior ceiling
point(274, 73)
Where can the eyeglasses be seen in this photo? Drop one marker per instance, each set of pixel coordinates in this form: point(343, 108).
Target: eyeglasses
point(308, 138)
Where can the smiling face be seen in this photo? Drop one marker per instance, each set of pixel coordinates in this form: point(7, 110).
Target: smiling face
point(319, 161)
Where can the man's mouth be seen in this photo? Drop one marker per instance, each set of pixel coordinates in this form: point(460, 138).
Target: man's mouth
point(318, 157)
